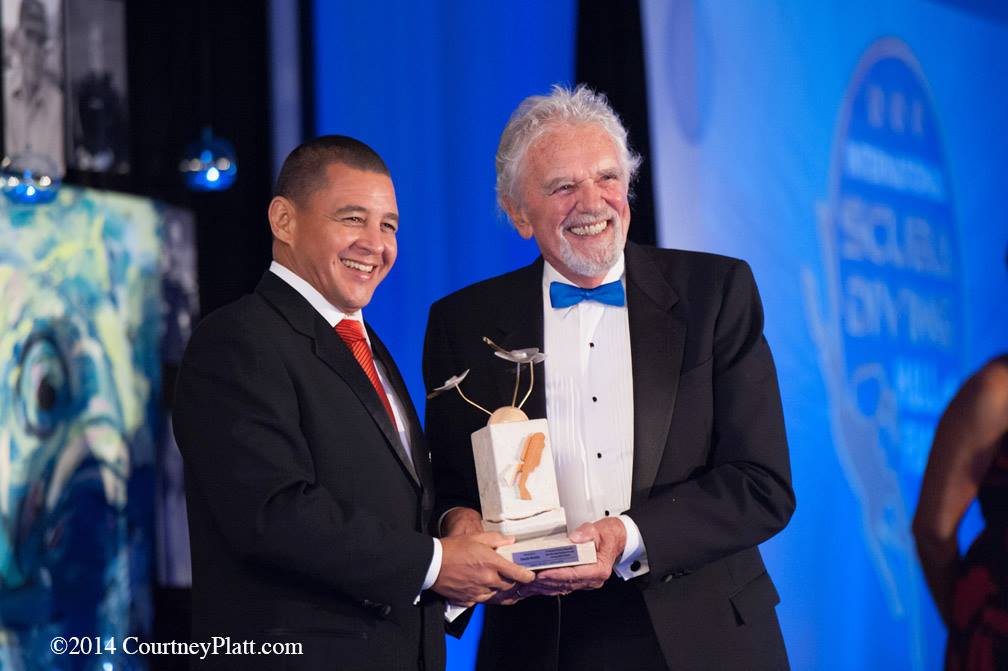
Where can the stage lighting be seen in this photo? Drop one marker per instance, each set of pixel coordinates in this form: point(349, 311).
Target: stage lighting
point(28, 178)
point(209, 164)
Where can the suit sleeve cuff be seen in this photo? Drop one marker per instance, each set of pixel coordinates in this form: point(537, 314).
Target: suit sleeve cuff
point(633, 562)
point(432, 571)
point(451, 610)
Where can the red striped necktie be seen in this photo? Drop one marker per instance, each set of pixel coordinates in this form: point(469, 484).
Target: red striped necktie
point(352, 333)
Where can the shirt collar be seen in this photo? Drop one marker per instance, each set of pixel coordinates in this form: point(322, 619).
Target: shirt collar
point(329, 312)
point(551, 274)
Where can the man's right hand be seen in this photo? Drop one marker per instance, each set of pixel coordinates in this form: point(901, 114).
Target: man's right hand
point(471, 570)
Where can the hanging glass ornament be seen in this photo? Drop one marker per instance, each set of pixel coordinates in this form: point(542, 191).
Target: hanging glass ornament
point(29, 178)
point(209, 164)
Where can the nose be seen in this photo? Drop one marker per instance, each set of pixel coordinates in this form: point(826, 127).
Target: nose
point(590, 198)
point(371, 239)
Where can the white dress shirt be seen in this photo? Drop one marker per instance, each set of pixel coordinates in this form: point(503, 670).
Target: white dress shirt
point(333, 316)
point(589, 406)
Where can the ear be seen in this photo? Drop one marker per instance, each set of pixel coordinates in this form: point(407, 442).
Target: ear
point(282, 219)
point(518, 218)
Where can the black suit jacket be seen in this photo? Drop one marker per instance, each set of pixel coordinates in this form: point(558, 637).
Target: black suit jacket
point(308, 521)
point(711, 475)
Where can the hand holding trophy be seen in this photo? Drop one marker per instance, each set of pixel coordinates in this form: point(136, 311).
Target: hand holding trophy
point(516, 479)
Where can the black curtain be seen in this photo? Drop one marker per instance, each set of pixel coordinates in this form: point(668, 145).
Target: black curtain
point(610, 59)
point(165, 47)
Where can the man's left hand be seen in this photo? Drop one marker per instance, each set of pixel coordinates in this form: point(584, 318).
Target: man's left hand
point(609, 536)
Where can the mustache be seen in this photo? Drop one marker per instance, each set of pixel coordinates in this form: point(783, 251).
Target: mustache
point(586, 218)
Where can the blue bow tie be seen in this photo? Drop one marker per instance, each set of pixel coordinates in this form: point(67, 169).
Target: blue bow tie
point(565, 295)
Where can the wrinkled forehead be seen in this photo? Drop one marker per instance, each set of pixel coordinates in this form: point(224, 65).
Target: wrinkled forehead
point(571, 148)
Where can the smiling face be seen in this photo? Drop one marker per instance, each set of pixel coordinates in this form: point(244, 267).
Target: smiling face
point(342, 238)
point(573, 200)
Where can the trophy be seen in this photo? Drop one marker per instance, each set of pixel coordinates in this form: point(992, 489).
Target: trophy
point(517, 481)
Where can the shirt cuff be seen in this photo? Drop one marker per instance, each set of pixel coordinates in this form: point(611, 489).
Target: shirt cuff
point(432, 571)
point(435, 566)
point(633, 562)
point(451, 611)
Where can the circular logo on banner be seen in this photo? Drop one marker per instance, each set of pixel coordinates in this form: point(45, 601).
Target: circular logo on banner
point(890, 335)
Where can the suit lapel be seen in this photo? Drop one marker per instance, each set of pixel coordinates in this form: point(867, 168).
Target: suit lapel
point(328, 347)
point(419, 466)
point(657, 339)
point(333, 351)
point(520, 325)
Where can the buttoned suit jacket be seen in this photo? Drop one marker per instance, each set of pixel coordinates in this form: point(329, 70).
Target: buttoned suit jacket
point(308, 520)
point(711, 473)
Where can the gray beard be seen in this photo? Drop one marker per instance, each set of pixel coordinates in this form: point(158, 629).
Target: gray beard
point(596, 264)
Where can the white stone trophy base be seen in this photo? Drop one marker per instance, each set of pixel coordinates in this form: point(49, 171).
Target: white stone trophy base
point(538, 523)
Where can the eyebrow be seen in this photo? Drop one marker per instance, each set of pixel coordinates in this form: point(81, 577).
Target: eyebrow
point(557, 181)
point(353, 209)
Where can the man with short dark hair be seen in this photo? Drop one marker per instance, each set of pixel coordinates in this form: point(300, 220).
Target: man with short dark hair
point(664, 415)
point(307, 476)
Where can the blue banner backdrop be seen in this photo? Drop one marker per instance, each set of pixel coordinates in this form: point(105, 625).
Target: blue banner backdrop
point(852, 152)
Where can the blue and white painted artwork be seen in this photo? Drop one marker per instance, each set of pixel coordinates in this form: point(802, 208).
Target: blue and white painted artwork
point(80, 375)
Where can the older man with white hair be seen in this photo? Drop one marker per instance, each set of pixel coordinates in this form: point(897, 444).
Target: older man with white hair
point(663, 408)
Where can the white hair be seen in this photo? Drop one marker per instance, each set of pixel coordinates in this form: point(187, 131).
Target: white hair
point(562, 106)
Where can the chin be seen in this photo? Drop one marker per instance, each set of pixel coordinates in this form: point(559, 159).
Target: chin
point(590, 265)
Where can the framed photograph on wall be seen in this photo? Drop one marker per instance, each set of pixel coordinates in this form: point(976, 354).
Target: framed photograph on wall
point(33, 93)
point(97, 126)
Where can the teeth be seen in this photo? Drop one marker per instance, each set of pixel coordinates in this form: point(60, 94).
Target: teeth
point(593, 229)
point(357, 266)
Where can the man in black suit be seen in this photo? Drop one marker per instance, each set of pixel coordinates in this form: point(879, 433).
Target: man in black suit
point(664, 412)
point(307, 476)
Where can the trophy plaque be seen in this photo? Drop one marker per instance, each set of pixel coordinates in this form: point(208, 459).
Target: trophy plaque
point(516, 477)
